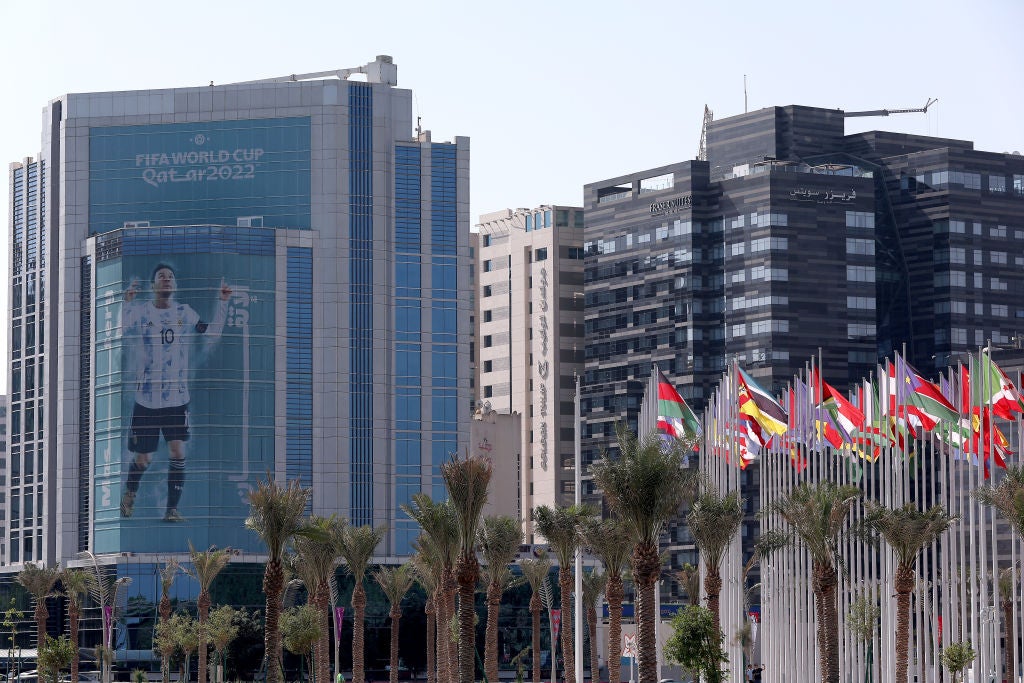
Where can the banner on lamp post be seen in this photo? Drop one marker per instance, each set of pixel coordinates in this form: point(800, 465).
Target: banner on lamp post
point(339, 617)
point(108, 624)
point(556, 622)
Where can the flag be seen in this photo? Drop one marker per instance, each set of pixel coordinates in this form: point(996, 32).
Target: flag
point(846, 416)
point(675, 419)
point(759, 404)
point(917, 399)
point(991, 387)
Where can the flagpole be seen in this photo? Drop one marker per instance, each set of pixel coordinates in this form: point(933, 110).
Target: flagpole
point(578, 606)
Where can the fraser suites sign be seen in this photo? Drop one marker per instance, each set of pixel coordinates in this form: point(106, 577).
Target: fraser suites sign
point(544, 370)
point(673, 205)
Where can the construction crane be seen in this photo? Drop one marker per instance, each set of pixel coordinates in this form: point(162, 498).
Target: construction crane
point(702, 150)
point(887, 112)
point(380, 70)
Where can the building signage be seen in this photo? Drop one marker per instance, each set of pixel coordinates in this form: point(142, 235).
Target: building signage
point(199, 166)
point(803, 194)
point(673, 205)
point(544, 369)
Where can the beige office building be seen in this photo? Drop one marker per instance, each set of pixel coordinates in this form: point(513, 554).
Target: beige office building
point(529, 339)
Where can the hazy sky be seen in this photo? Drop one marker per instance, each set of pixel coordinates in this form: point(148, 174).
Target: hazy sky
point(552, 94)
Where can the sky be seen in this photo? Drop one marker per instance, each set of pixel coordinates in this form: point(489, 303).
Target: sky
point(553, 95)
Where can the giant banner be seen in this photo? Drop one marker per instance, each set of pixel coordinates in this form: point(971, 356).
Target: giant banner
point(201, 172)
point(183, 387)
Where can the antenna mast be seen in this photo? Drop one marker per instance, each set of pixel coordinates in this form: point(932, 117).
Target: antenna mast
point(887, 112)
point(702, 149)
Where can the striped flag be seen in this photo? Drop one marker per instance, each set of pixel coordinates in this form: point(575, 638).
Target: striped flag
point(675, 419)
point(760, 405)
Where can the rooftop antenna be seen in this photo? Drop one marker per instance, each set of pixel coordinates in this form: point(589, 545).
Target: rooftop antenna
point(887, 112)
point(702, 149)
point(419, 128)
point(745, 94)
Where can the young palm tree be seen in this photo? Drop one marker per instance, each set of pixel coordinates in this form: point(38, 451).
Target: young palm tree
point(594, 584)
point(39, 581)
point(395, 583)
point(440, 526)
point(907, 531)
point(1008, 499)
point(222, 631)
point(467, 480)
point(818, 515)
point(563, 527)
point(689, 577)
point(612, 543)
point(646, 485)
point(317, 556)
point(714, 521)
point(77, 585)
point(205, 568)
point(275, 513)
point(357, 546)
point(499, 538)
point(167, 574)
point(300, 628)
point(427, 571)
point(535, 572)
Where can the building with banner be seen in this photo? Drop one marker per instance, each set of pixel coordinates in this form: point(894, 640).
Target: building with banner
point(214, 284)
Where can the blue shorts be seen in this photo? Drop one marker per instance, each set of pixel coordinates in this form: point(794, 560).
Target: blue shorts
point(148, 423)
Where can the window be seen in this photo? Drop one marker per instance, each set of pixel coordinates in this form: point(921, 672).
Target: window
point(561, 218)
point(957, 255)
point(860, 219)
point(736, 249)
point(959, 227)
point(859, 330)
point(487, 290)
point(738, 276)
point(488, 316)
point(997, 183)
point(488, 341)
point(488, 391)
point(958, 336)
point(952, 306)
point(860, 273)
point(488, 366)
point(766, 243)
point(487, 266)
point(1018, 183)
point(541, 254)
point(576, 253)
point(1000, 310)
point(861, 302)
point(998, 231)
point(999, 257)
point(998, 285)
point(859, 246)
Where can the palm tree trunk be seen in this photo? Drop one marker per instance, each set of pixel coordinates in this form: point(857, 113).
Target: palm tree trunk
point(396, 617)
point(441, 618)
point(713, 587)
point(595, 666)
point(165, 616)
point(204, 614)
point(358, 644)
point(535, 643)
point(825, 581)
point(467, 572)
point(1010, 639)
point(615, 594)
point(273, 585)
point(565, 580)
point(491, 641)
point(646, 570)
point(431, 613)
point(74, 614)
point(904, 585)
point(450, 589)
point(41, 616)
point(322, 649)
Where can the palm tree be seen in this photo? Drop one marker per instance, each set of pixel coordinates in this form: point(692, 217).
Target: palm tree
point(205, 568)
point(714, 521)
point(357, 546)
point(395, 583)
point(594, 583)
point(317, 555)
point(427, 571)
point(689, 577)
point(77, 585)
point(562, 527)
point(167, 574)
point(300, 628)
point(499, 539)
point(612, 543)
point(907, 531)
point(1008, 499)
point(222, 631)
point(646, 485)
point(441, 535)
point(535, 572)
point(818, 515)
point(275, 513)
point(39, 581)
point(467, 480)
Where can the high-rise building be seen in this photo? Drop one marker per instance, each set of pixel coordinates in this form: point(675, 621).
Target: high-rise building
point(529, 339)
point(211, 284)
point(792, 241)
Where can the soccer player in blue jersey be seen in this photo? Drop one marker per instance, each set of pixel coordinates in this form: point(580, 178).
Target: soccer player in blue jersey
point(165, 331)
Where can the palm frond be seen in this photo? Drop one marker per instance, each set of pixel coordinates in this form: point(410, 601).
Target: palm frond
point(358, 544)
point(906, 529)
point(714, 521)
point(318, 549)
point(1007, 497)
point(535, 571)
point(499, 537)
point(38, 580)
point(611, 542)
point(562, 527)
point(439, 524)
point(207, 565)
point(395, 582)
point(275, 513)
point(466, 480)
point(819, 515)
point(594, 583)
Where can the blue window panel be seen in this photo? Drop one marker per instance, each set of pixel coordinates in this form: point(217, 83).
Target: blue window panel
point(444, 319)
point(408, 369)
point(444, 366)
point(361, 258)
point(408, 276)
point(408, 322)
point(408, 450)
point(444, 273)
point(407, 408)
point(299, 353)
point(443, 184)
point(408, 219)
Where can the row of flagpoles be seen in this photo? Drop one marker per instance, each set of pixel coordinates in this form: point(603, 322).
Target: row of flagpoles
point(902, 439)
